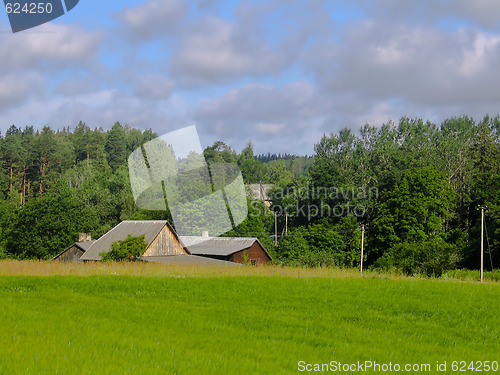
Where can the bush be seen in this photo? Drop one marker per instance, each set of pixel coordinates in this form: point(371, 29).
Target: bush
point(431, 257)
point(129, 249)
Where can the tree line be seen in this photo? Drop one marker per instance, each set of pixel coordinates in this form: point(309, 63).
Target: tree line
point(415, 185)
point(429, 181)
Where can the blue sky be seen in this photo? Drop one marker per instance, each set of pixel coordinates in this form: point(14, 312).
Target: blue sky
point(278, 73)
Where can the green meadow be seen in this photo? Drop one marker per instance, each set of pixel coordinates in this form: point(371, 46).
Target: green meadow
point(184, 324)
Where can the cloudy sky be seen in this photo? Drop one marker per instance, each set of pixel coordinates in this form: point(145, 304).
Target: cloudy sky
point(279, 73)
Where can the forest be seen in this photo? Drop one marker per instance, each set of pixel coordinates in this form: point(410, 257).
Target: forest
point(415, 187)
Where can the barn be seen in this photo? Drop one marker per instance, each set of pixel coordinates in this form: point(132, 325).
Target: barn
point(74, 252)
point(231, 249)
point(159, 235)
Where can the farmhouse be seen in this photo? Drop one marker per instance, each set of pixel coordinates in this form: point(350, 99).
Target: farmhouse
point(159, 235)
point(165, 246)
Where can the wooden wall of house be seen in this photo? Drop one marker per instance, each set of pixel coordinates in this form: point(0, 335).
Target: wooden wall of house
point(256, 255)
point(165, 244)
point(73, 254)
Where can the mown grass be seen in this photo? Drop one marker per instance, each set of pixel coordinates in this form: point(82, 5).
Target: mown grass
point(237, 323)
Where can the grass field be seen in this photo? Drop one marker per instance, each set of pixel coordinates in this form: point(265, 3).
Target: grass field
point(98, 319)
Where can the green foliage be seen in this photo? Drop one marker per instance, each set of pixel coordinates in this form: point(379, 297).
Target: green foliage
point(416, 209)
point(254, 171)
point(430, 257)
point(293, 247)
point(322, 244)
point(485, 188)
point(279, 173)
point(45, 226)
point(219, 152)
point(116, 146)
point(246, 153)
point(130, 249)
point(429, 180)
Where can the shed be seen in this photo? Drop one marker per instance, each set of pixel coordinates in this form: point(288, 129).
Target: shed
point(158, 234)
point(232, 249)
point(74, 252)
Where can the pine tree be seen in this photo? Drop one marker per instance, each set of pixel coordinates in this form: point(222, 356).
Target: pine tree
point(116, 146)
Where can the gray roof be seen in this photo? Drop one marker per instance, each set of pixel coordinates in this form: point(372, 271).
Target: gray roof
point(219, 246)
point(189, 259)
point(84, 246)
point(149, 228)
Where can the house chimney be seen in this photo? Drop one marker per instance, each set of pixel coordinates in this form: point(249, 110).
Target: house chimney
point(204, 233)
point(84, 237)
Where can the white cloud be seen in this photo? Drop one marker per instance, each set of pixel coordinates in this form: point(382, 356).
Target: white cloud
point(420, 66)
point(282, 117)
point(76, 87)
point(484, 12)
point(270, 129)
point(264, 103)
point(152, 19)
point(53, 45)
point(154, 87)
point(15, 89)
point(481, 50)
point(480, 13)
point(104, 108)
point(214, 50)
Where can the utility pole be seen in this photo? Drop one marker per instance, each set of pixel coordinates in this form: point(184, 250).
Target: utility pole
point(285, 228)
point(362, 244)
point(482, 241)
point(275, 229)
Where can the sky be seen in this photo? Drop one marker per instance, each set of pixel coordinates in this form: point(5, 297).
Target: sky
point(277, 73)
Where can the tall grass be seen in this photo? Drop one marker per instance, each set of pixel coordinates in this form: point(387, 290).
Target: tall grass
point(147, 269)
point(53, 268)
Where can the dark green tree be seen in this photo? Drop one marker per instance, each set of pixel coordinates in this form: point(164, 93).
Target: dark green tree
point(116, 146)
point(45, 226)
point(415, 215)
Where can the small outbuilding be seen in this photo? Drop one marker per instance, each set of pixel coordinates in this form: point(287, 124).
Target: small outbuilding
point(74, 252)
